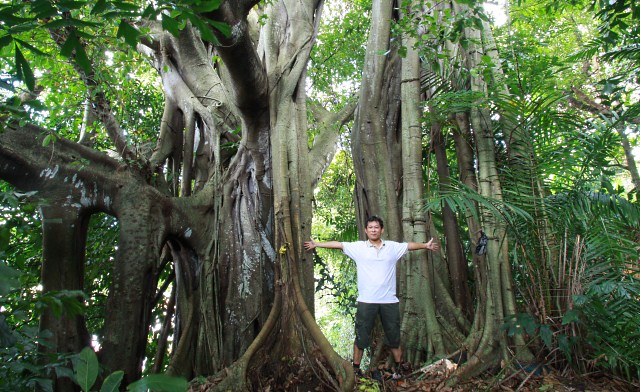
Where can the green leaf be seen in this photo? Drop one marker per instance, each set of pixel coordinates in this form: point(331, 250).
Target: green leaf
point(68, 5)
point(206, 6)
point(205, 31)
point(32, 48)
point(570, 316)
point(119, 15)
point(47, 140)
point(222, 27)
point(485, 59)
point(100, 7)
point(160, 383)
point(10, 19)
point(23, 70)
point(580, 300)
point(125, 6)
point(62, 372)
point(402, 51)
point(29, 26)
point(43, 9)
point(129, 33)
point(86, 368)
point(82, 59)
point(5, 40)
point(149, 12)
point(43, 384)
point(71, 42)
point(563, 345)
point(70, 22)
point(112, 383)
point(5, 238)
point(171, 25)
point(9, 278)
point(546, 335)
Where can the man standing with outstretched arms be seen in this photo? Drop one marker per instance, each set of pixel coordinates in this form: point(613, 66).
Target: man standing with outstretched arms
point(376, 261)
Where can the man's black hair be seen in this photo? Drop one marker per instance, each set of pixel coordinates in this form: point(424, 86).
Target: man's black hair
point(374, 218)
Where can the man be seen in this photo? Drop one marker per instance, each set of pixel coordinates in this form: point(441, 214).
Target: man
point(376, 269)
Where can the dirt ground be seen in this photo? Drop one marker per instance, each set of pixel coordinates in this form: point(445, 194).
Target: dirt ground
point(516, 381)
point(436, 378)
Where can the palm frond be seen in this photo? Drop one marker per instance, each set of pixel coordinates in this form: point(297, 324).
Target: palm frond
point(464, 200)
point(627, 52)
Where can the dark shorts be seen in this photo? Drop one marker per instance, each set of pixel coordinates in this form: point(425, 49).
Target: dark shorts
point(389, 316)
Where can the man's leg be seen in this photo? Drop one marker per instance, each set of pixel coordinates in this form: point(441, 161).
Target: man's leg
point(397, 354)
point(357, 354)
point(365, 317)
point(390, 317)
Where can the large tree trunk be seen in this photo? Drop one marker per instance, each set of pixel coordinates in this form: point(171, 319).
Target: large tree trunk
point(488, 343)
point(69, 197)
point(265, 199)
point(234, 221)
point(376, 133)
point(420, 329)
point(64, 237)
point(135, 276)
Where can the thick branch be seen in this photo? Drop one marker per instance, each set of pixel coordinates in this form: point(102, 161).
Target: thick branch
point(580, 100)
point(250, 83)
point(52, 170)
point(324, 145)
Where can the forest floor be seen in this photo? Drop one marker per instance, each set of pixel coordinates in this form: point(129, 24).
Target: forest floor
point(436, 377)
point(428, 380)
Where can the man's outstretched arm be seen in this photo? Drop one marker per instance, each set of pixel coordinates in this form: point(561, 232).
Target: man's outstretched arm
point(431, 245)
point(330, 245)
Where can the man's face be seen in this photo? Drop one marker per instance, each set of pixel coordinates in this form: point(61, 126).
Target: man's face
point(373, 231)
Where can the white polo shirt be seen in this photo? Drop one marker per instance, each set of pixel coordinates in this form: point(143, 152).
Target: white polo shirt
point(376, 269)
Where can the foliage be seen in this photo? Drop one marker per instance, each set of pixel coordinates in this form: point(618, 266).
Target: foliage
point(571, 225)
point(334, 220)
point(101, 248)
point(582, 223)
point(335, 274)
point(22, 24)
point(86, 369)
point(619, 39)
point(57, 97)
point(437, 25)
point(23, 301)
point(19, 251)
point(336, 64)
point(462, 200)
point(591, 310)
point(610, 312)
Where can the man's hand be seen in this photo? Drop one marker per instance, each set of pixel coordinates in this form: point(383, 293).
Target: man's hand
point(432, 245)
point(308, 245)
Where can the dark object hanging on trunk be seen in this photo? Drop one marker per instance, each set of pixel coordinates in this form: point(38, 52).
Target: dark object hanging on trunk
point(482, 244)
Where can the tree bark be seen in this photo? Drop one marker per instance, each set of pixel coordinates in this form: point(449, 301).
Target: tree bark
point(64, 236)
point(456, 259)
point(490, 344)
point(420, 331)
point(375, 136)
